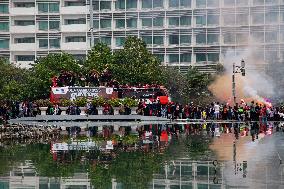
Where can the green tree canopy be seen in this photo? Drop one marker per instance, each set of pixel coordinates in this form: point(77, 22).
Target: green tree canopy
point(135, 64)
point(98, 58)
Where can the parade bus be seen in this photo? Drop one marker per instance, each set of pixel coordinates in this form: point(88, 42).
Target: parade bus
point(148, 94)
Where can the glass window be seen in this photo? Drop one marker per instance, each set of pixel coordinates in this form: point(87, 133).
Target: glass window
point(158, 3)
point(212, 3)
point(75, 21)
point(185, 3)
point(147, 39)
point(160, 57)
point(4, 43)
point(229, 38)
point(119, 41)
point(185, 20)
point(120, 23)
point(43, 25)
point(75, 3)
point(4, 8)
point(258, 18)
point(25, 57)
point(173, 3)
point(75, 39)
point(105, 5)
point(43, 7)
point(25, 40)
point(242, 2)
point(271, 37)
point(131, 4)
point(212, 38)
point(271, 17)
point(174, 21)
point(200, 3)
point(213, 57)
point(106, 40)
point(173, 39)
point(201, 20)
point(43, 43)
point(53, 7)
point(158, 40)
point(146, 4)
point(146, 22)
point(24, 5)
point(24, 22)
point(258, 2)
point(96, 24)
point(271, 2)
point(173, 58)
point(229, 19)
point(212, 20)
point(158, 22)
point(96, 5)
point(54, 25)
point(242, 19)
point(185, 39)
point(120, 4)
point(105, 23)
point(4, 26)
point(131, 23)
point(185, 57)
point(229, 3)
point(201, 38)
point(54, 43)
point(201, 57)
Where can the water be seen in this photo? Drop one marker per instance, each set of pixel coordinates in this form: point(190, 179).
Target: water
point(188, 158)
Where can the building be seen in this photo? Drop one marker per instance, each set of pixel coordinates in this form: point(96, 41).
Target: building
point(179, 32)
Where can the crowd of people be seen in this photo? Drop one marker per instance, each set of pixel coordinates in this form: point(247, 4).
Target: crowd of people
point(214, 111)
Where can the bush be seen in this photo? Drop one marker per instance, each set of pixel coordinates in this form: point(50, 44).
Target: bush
point(115, 102)
point(65, 102)
point(81, 102)
point(130, 102)
point(98, 101)
point(43, 102)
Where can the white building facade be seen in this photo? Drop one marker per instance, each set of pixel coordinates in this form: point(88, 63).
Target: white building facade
point(179, 32)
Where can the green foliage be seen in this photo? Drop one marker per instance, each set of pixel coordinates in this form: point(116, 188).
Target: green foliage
point(43, 102)
point(47, 67)
point(65, 102)
point(135, 64)
point(98, 101)
point(130, 102)
point(81, 102)
point(115, 102)
point(98, 58)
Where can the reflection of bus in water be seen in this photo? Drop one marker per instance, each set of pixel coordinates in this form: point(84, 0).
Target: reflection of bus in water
point(148, 94)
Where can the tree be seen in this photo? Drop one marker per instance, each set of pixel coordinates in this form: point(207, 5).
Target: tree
point(47, 67)
point(12, 81)
point(135, 64)
point(98, 58)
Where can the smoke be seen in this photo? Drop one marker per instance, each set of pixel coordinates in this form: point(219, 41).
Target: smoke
point(255, 85)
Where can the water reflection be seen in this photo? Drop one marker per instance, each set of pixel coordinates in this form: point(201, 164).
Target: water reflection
point(149, 156)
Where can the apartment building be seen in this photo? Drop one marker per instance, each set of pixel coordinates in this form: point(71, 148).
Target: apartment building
point(179, 32)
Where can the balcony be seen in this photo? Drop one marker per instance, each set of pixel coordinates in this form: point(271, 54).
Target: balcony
point(23, 29)
point(23, 47)
point(74, 10)
point(74, 28)
point(22, 11)
point(74, 46)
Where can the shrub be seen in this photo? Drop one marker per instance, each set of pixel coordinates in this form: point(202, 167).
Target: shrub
point(43, 102)
point(130, 102)
point(115, 102)
point(65, 102)
point(98, 101)
point(81, 102)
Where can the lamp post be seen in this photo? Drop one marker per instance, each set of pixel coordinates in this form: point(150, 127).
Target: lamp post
point(91, 8)
point(237, 69)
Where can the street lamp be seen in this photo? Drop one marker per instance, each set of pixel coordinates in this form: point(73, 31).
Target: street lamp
point(237, 69)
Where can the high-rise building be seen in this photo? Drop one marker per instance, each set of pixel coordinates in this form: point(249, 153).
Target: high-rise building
point(179, 32)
